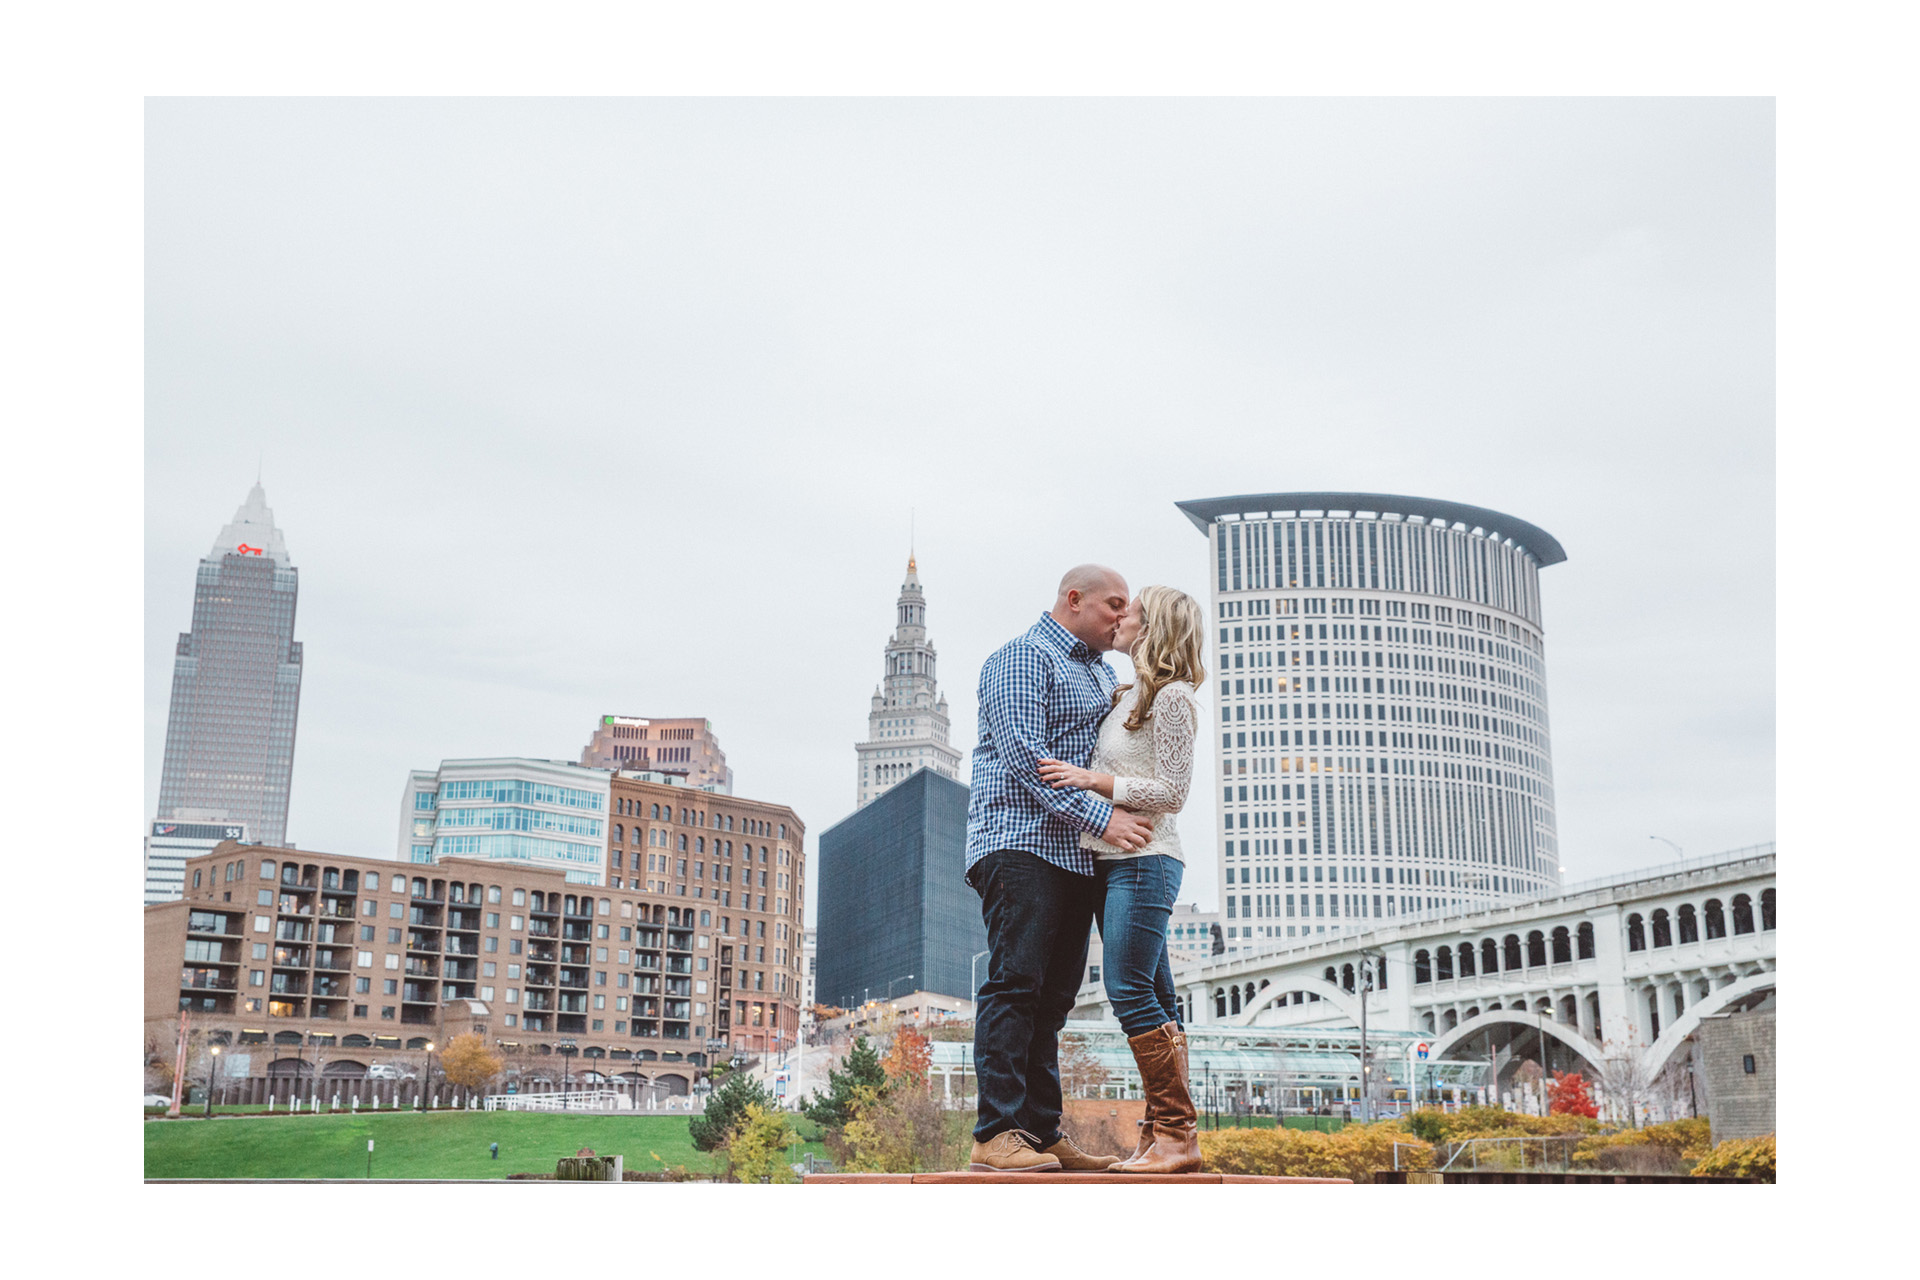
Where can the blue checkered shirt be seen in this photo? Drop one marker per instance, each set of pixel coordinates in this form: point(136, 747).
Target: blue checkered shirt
point(1043, 694)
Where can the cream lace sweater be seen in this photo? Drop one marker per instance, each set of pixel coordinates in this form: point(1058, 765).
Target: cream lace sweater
point(1152, 766)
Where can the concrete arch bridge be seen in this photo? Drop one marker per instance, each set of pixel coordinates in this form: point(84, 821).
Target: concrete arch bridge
point(1609, 978)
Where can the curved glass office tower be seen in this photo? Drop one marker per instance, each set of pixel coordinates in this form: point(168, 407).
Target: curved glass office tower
point(1383, 747)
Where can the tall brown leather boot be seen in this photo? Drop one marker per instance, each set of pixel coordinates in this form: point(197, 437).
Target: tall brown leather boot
point(1175, 1130)
point(1146, 1124)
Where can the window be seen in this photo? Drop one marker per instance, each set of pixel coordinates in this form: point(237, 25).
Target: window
point(366, 933)
point(399, 886)
point(363, 985)
point(393, 962)
point(393, 937)
point(364, 959)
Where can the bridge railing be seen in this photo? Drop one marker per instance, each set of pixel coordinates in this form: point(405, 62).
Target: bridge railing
point(1436, 914)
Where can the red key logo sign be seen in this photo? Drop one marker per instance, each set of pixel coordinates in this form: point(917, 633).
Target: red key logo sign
point(246, 550)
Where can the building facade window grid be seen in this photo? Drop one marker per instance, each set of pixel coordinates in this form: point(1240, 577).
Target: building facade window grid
point(1480, 791)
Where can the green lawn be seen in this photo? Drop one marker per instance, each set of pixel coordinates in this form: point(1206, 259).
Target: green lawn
point(446, 1145)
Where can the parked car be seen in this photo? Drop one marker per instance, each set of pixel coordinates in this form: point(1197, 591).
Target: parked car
point(158, 1100)
point(389, 1071)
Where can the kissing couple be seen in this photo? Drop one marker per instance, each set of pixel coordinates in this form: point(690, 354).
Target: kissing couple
point(1071, 821)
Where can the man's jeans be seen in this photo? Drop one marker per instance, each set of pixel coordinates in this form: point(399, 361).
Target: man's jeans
point(1038, 920)
point(1136, 899)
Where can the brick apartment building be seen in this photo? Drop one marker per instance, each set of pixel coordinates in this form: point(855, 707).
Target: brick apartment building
point(691, 947)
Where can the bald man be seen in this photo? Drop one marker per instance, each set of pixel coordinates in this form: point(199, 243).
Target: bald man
point(1042, 695)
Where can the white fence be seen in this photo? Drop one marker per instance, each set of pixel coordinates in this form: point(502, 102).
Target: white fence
point(577, 1100)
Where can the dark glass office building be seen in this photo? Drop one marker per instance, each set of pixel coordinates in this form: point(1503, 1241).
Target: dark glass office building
point(894, 898)
point(236, 684)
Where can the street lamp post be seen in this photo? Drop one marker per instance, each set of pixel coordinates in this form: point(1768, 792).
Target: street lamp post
point(567, 1049)
point(907, 978)
point(213, 1070)
point(428, 1082)
point(1366, 1063)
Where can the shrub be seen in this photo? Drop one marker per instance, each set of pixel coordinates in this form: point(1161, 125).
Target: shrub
point(1431, 1124)
point(1569, 1095)
point(1658, 1148)
point(757, 1149)
point(1739, 1158)
point(1354, 1152)
point(902, 1130)
point(725, 1110)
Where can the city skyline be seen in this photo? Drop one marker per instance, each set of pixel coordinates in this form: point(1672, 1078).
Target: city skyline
point(637, 456)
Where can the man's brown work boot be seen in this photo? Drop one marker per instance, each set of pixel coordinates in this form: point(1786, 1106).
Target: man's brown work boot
point(1015, 1151)
point(1072, 1157)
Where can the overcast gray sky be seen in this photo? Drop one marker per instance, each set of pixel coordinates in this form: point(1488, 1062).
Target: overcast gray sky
point(574, 407)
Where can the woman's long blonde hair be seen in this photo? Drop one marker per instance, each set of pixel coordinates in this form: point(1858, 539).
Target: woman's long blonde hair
point(1170, 647)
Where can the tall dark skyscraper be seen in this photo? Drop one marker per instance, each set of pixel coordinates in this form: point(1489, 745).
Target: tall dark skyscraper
point(896, 915)
point(236, 688)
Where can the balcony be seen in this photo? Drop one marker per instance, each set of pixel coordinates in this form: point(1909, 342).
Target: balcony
point(462, 947)
point(296, 908)
point(573, 977)
point(461, 970)
point(297, 886)
point(679, 964)
point(423, 942)
point(419, 993)
point(577, 932)
point(212, 924)
point(540, 955)
point(679, 940)
point(288, 984)
point(573, 1004)
point(535, 1003)
point(325, 987)
point(539, 975)
point(209, 980)
point(570, 1024)
point(540, 929)
point(536, 1022)
point(293, 931)
point(337, 961)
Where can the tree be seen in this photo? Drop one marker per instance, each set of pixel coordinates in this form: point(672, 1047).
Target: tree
point(1568, 1095)
point(909, 1058)
point(834, 1108)
point(1624, 1081)
point(469, 1063)
point(725, 1111)
point(1081, 1074)
point(757, 1149)
point(825, 1012)
point(898, 1131)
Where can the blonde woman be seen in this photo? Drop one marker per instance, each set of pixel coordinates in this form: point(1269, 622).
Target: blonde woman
point(1143, 762)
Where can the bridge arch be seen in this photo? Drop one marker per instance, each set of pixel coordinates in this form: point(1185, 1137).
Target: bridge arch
point(1568, 1036)
point(1342, 999)
point(1685, 1025)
